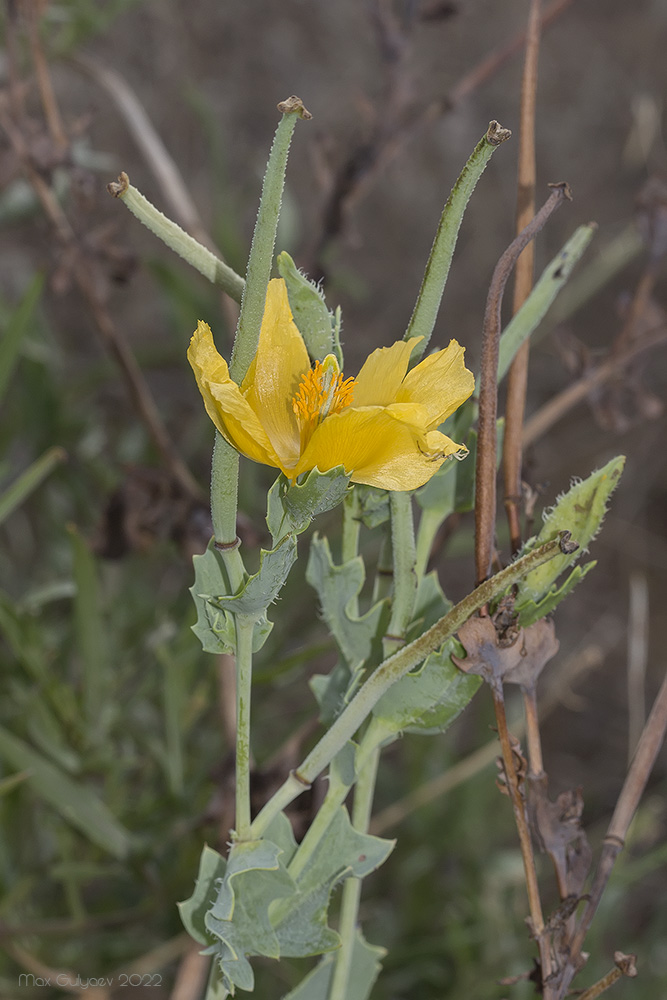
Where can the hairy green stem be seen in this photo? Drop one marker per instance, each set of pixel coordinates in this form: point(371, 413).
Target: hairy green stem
point(364, 793)
point(405, 577)
point(177, 239)
point(428, 301)
point(384, 572)
point(392, 670)
point(224, 498)
point(263, 242)
point(350, 539)
point(244, 632)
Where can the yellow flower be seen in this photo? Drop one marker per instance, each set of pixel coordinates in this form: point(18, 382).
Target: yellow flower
point(381, 425)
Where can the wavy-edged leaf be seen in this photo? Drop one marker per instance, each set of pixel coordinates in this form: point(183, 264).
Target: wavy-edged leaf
point(292, 508)
point(337, 587)
point(301, 921)
point(425, 701)
point(215, 625)
point(364, 970)
point(263, 587)
point(212, 867)
point(373, 505)
point(229, 909)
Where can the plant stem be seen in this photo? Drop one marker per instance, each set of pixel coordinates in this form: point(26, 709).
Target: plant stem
point(523, 280)
point(550, 283)
point(263, 242)
point(384, 572)
point(429, 525)
point(632, 791)
point(405, 578)
point(351, 527)
point(171, 234)
point(521, 819)
point(428, 301)
point(485, 477)
point(361, 814)
point(244, 632)
point(390, 671)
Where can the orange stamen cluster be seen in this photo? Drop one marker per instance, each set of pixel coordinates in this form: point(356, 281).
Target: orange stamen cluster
point(314, 400)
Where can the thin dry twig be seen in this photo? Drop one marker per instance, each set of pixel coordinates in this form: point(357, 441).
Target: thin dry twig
point(54, 121)
point(485, 478)
point(86, 279)
point(624, 965)
point(557, 407)
point(638, 628)
point(398, 121)
point(633, 788)
point(491, 63)
point(523, 280)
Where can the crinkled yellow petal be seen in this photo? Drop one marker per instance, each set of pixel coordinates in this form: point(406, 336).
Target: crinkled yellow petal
point(379, 447)
point(382, 373)
point(440, 382)
point(274, 375)
point(228, 409)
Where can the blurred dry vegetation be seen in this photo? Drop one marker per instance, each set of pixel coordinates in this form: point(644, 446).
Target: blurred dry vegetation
point(400, 93)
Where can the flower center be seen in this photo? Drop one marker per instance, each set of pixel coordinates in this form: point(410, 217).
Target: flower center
point(322, 391)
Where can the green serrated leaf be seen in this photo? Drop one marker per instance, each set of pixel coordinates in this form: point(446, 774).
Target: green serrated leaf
point(193, 910)
point(301, 921)
point(579, 511)
point(310, 311)
point(292, 508)
point(234, 902)
point(262, 589)
point(373, 505)
point(425, 701)
point(364, 970)
point(337, 587)
point(215, 624)
point(531, 611)
point(214, 628)
point(330, 691)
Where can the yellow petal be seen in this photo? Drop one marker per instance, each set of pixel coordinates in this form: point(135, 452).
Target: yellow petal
point(382, 373)
point(441, 382)
point(225, 405)
point(274, 375)
point(379, 447)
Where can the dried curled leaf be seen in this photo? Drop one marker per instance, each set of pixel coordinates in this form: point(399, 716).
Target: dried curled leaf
point(518, 662)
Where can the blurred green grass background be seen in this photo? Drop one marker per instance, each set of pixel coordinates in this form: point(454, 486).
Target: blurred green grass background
point(113, 758)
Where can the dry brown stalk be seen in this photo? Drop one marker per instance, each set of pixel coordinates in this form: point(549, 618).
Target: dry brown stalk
point(633, 788)
point(523, 829)
point(523, 280)
point(557, 407)
point(485, 479)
